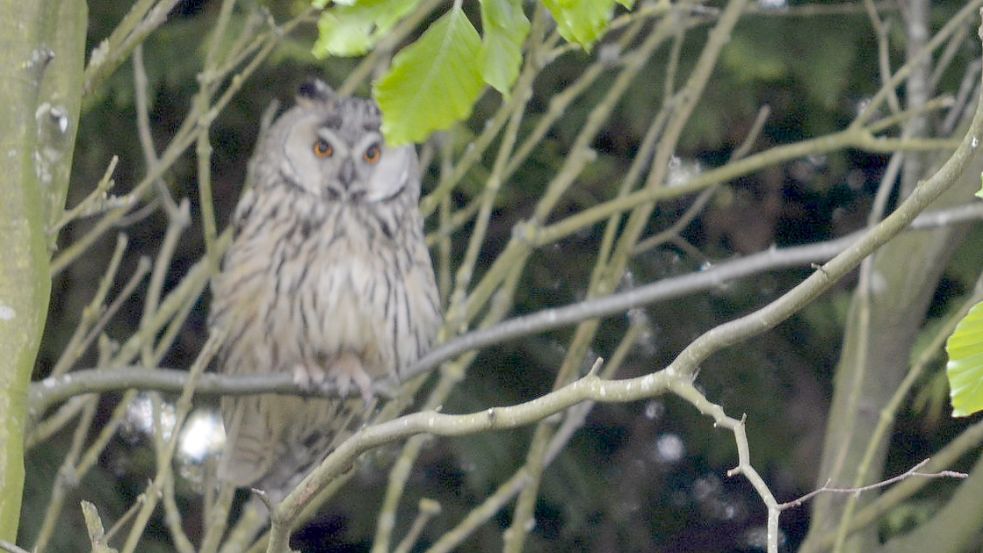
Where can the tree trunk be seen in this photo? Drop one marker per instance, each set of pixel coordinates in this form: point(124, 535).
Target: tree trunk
point(876, 354)
point(41, 60)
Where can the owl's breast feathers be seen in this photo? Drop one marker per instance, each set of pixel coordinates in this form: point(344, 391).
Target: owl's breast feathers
point(306, 281)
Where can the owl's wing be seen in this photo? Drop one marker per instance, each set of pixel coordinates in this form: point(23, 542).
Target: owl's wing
point(251, 437)
point(421, 289)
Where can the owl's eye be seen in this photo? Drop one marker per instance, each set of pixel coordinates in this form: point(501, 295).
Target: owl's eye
point(323, 148)
point(373, 154)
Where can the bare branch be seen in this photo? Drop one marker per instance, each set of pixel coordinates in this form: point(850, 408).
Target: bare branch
point(11, 548)
point(913, 472)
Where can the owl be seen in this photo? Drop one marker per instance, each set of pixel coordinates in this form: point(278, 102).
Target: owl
point(328, 278)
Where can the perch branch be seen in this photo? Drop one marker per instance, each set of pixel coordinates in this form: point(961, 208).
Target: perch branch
point(51, 391)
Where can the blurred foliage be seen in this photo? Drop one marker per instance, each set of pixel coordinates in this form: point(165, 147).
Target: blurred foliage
point(352, 30)
point(445, 60)
point(965, 366)
point(811, 71)
point(505, 26)
point(441, 64)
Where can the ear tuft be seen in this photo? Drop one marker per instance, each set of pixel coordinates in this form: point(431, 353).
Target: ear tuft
point(314, 90)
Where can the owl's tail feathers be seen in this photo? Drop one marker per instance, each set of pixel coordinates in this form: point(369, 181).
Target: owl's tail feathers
point(249, 452)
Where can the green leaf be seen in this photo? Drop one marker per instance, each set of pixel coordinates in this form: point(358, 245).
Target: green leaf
point(432, 83)
point(979, 193)
point(965, 366)
point(505, 27)
point(581, 21)
point(353, 30)
point(627, 3)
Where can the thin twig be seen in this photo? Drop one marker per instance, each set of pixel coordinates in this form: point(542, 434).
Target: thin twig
point(178, 220)
point(881, 29)
point(428, 509)
point(143, 129)
point(913, 472)
point(140, 21)
point(79, 342)
point(952, 25)
point(96, 202)
point(967, 441)
point(970, 82)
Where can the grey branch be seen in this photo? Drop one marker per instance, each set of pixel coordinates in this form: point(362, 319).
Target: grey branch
point(913, 472)
point(51, 391)
point(11, 548)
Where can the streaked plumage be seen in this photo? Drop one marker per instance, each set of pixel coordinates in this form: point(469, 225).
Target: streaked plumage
point(328, 278)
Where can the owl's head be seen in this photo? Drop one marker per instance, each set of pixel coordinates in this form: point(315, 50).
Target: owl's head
point(331, 147)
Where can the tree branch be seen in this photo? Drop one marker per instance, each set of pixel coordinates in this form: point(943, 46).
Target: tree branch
point(912, 472)
point(51, 391)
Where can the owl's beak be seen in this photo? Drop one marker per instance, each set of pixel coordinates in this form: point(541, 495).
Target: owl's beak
point(347, 173)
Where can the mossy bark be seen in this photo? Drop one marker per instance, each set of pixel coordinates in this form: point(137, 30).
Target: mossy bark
point(41, 62)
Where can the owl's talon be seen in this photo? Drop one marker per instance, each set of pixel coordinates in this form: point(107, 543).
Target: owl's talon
point(311, 380)
point(302, 377)
point(364, 386)
point(351, 371)
point(343, 384)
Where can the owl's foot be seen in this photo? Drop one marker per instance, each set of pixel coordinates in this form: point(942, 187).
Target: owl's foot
point(350, 371)
point(308, 378)
point(346, 370)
